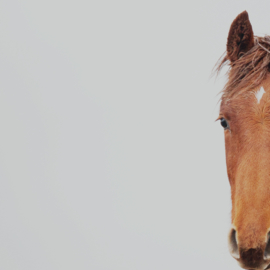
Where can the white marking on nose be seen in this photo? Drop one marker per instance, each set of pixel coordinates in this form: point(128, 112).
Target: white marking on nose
point(259, 94)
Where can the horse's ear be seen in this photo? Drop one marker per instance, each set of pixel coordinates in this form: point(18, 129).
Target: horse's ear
point(240, 38)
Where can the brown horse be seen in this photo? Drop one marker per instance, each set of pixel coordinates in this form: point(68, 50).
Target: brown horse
point(245, 117)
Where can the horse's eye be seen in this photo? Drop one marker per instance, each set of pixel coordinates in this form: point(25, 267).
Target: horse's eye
point(224, 123)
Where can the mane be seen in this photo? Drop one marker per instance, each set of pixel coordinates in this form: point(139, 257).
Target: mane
point(249, 70)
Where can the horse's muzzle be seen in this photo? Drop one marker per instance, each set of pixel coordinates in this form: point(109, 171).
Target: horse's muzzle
point(250, 258)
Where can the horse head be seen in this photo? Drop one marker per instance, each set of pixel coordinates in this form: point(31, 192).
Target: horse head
point(245, 117)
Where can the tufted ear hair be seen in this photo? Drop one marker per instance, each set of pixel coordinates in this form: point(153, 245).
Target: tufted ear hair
point(240, 38)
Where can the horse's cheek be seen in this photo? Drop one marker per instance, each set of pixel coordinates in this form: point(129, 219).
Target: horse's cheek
point(230, 155)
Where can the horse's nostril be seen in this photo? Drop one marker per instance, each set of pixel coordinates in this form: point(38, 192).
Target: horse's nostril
point(267, 248)
point(233, 246)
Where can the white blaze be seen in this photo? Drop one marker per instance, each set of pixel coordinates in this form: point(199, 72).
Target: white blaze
point(259, 94)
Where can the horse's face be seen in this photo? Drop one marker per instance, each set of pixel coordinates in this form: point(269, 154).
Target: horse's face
point(247, 141)
point(246, 120)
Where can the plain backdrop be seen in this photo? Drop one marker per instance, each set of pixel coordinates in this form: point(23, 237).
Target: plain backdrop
point(110, 156)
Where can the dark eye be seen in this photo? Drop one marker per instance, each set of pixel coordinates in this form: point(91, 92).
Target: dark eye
point(224, 123)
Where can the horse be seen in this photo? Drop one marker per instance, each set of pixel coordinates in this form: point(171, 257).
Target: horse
point(245, 117)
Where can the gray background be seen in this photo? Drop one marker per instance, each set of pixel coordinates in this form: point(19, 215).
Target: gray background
point(110, 156)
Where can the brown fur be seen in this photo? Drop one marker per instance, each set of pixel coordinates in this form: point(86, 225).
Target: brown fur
point(247, 146)
point(247, 142)
point(240, 38)
point(248, 71)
